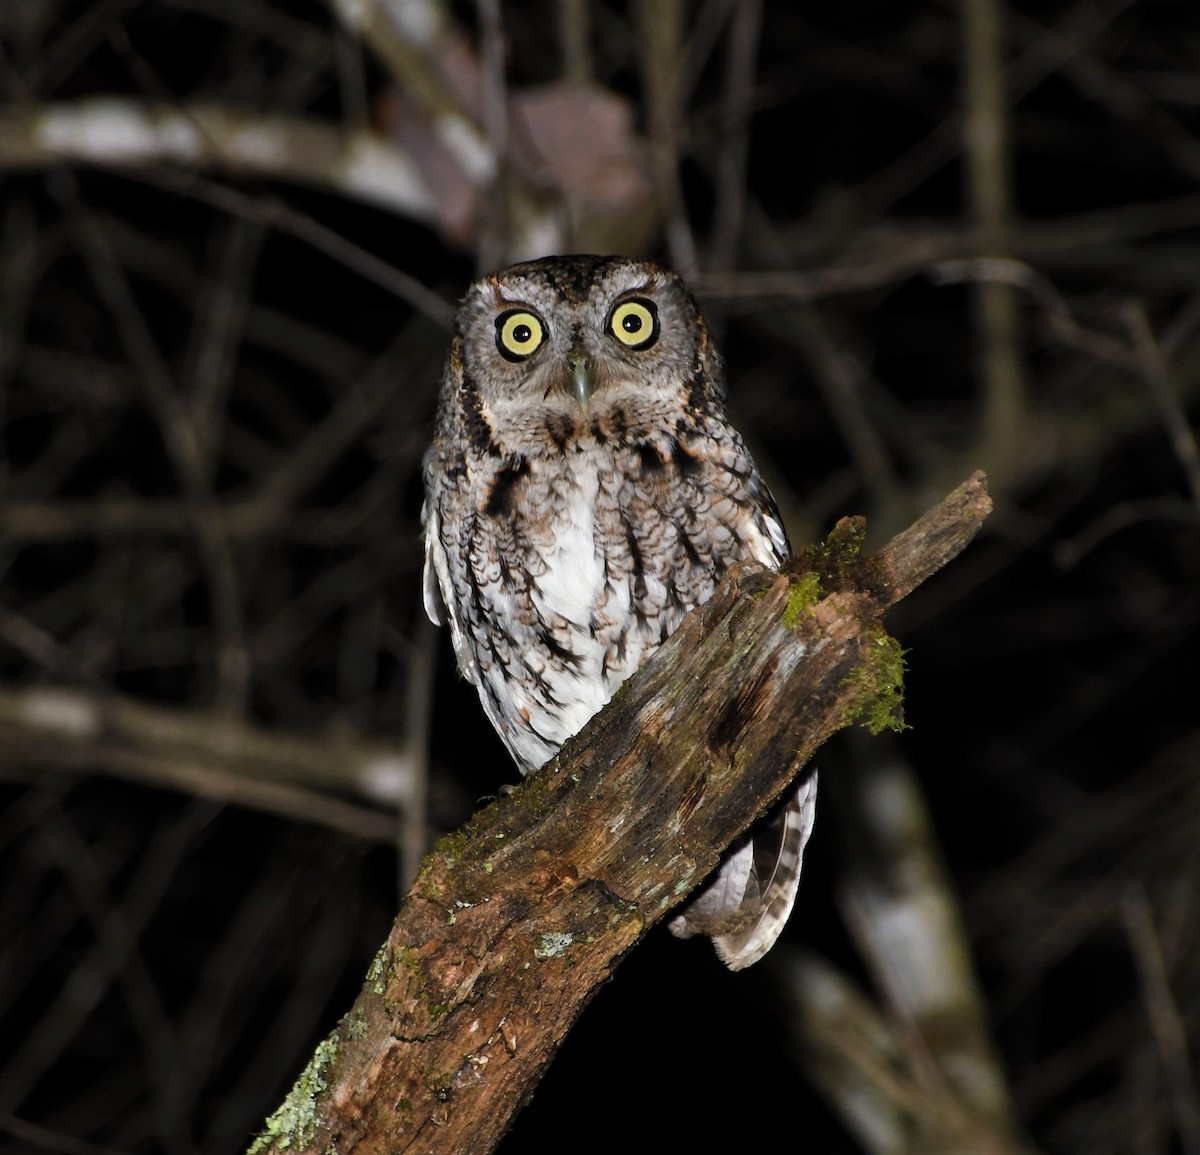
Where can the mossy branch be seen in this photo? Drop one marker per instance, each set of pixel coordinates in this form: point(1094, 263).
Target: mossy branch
point(515, 921)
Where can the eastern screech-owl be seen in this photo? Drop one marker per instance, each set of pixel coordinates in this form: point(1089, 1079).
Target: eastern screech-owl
point(584, 491)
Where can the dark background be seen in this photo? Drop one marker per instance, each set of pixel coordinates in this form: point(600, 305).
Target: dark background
point(213, 407)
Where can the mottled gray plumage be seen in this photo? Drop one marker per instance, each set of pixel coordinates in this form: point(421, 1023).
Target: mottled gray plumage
point(584, 491)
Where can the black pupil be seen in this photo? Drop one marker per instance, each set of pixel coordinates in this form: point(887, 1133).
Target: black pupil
point(522, 333)
point(631, 323)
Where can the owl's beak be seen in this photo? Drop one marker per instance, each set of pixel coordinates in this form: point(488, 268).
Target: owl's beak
point(583, 385)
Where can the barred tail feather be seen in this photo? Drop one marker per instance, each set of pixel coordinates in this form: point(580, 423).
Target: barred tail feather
point(745, 906)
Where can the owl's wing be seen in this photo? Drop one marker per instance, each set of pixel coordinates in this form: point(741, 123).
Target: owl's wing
point(435, 606)
point(745, 906)
point(438, 594)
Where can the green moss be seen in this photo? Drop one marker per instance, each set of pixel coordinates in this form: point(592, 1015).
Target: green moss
point(837, 559)
point(295, 1123)
point(803, 593)
point(451, 846)
point(880, 681)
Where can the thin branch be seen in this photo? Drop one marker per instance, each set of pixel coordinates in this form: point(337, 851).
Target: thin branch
point(1154, 373)
point(45, 1139)
point(112, 958)
point(269, 210)
point(840, 377)
point(738, 98)
point(574, 37)
point(1165, 1021)
point(180, 436)
point(217, 336)
point(987, 154)
point(494, 238)
point(660, 61)
point(206, 755)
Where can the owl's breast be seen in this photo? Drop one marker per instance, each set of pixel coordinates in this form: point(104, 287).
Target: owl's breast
point(563, 600)
point(559, 511)
point(574, 566)
point(602, 582)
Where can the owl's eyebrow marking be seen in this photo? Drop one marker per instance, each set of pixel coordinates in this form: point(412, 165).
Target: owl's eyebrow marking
point(515, 303)
point(635, 291)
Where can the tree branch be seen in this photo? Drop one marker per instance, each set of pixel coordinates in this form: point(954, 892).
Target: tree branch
point(516, 920)
point(209, 755)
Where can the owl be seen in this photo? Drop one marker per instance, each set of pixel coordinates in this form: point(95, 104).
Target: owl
point(583, 492)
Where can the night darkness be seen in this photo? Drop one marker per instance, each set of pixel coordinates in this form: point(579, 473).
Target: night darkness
point(218, 372)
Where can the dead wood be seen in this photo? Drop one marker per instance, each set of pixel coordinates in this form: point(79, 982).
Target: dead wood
point(515, 921)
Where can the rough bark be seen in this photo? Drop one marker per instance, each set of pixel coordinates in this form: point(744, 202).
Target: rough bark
point(515, 921)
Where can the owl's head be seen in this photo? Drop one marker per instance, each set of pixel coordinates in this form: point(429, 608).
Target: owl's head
point(563, 341)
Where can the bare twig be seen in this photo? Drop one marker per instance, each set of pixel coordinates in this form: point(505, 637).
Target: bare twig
point(1154, 373)
point(839, 376)
point(113, 959)
point(45, 1139)
point(1165, 1021)
point(220, 323)
point(660, 61)
point(275, 213)
point(737, 99)
point(987, 154)
point(180, 437)
point(574, 35)
point(494, 238)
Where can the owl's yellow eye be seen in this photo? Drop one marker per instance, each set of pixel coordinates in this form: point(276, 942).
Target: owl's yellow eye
point(519, 334)
point(634, 323)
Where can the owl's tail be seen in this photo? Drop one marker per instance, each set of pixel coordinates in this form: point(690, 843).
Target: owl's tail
point(746, 904)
